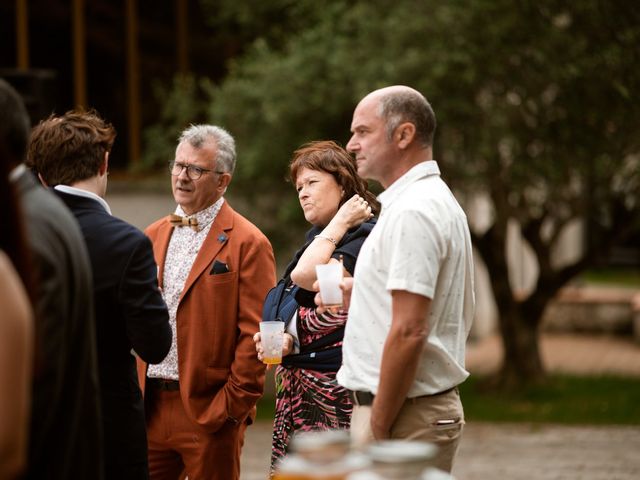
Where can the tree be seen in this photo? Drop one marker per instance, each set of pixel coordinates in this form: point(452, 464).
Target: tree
point(535, 109)
point(557, 140)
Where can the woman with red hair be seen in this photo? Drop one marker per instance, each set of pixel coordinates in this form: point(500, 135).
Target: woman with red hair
point(340, 208)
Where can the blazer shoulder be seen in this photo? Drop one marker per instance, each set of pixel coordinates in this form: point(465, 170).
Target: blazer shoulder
point(129, 234)
point(152, 230)
point(50, 217)
point(124, 227)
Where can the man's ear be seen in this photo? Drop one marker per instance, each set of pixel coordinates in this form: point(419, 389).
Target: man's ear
point(224, 181)
point(404, 134)
point(104, 166)
point(44, 184)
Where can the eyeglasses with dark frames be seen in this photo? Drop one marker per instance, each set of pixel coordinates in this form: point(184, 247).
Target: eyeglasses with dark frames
point(193, 172)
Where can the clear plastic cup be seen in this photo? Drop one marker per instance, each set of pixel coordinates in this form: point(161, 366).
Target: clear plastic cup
point(271, 336)
point(329, 278)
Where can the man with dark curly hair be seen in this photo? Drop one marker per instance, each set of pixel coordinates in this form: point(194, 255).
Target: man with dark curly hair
point(71, 154)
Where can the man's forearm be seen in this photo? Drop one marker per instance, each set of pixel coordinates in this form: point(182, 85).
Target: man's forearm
point(400, 358)
point(397, 372)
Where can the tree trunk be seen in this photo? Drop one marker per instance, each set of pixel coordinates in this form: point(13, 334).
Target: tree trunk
point(522, 363)
point(519, 320)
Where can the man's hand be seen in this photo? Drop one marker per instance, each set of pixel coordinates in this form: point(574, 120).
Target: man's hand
point(346, 285)
point(378, 429)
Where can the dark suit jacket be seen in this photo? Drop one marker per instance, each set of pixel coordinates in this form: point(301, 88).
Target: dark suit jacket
point(65, 435)
point(130, 313)
point(221, 378)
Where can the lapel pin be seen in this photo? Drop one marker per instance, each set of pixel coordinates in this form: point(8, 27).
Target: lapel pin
point(222, 238)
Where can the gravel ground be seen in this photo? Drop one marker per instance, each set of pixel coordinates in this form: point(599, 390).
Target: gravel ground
point(491, 451)
point(511, 452)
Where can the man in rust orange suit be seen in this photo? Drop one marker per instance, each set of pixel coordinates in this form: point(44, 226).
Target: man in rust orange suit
point(214, 269)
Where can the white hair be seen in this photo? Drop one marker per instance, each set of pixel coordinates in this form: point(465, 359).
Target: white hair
point(198, 135)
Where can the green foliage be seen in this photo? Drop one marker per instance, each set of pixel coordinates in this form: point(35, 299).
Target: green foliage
point(266, 408)
point(273, 102)
point(551, 118)
point(561, 399)
point(623, 277)
point(181, 107)
point(274, 21)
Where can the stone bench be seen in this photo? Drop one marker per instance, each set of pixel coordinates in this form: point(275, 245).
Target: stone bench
point(594, 309)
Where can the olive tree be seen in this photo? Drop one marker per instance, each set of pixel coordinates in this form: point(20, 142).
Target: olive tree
point(536, 107)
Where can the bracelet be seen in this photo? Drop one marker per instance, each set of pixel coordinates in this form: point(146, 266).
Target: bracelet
point(325, 237)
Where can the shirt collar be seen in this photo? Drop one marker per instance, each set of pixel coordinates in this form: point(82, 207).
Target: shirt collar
point(417, 172)
point(204, 217)
point(83, 193)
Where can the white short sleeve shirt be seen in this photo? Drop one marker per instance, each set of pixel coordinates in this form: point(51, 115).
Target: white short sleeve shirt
point(420, 244)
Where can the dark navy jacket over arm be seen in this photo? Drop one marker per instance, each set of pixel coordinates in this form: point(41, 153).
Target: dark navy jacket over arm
point(130, 315)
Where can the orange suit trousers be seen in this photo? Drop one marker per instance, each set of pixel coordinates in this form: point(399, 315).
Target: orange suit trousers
point(178, 446)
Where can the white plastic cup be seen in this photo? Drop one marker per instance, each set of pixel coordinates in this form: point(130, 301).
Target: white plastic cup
point(329, 278)
point(272, 336)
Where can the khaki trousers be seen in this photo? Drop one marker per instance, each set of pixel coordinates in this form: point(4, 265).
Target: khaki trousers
point(438, 419)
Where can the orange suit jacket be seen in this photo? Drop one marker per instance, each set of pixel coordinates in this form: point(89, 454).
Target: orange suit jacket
point(221, 377)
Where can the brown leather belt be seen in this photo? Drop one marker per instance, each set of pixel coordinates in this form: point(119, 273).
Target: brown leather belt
point(365, 399)
point(163, 384)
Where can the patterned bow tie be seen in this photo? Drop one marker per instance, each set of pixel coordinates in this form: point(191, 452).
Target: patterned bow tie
point(178, 221)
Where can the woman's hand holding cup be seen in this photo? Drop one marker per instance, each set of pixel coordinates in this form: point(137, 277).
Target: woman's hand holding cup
point(287, 345)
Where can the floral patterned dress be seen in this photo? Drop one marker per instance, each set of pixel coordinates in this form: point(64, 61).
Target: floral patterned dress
point(306, 399)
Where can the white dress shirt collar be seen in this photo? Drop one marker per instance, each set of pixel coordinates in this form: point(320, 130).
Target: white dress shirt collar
point(83, 193)
point(421, 170)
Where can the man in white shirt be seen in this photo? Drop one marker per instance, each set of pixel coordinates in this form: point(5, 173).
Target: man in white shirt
point(412, 303)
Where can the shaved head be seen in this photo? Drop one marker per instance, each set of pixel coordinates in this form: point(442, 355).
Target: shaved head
point(398, 104)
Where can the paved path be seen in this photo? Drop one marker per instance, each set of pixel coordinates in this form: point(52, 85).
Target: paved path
point(492, 451)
